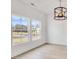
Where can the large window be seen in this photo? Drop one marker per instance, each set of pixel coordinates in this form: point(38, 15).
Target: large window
point(24, 30)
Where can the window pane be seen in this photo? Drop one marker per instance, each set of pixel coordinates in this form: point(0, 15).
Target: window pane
point(36, 30)
point(20, 30)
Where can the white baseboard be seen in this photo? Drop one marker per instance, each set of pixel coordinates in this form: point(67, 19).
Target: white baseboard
point(57, 44)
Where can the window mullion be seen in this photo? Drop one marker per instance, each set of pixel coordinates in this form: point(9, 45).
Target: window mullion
point(30, 32)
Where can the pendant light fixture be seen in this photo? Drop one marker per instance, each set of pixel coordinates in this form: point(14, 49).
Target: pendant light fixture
point(60, 13)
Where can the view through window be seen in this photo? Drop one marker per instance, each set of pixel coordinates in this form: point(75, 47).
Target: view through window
point(24, 31)
point(36, 29)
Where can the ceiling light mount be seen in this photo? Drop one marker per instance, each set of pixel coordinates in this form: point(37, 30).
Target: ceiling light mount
point(32, 4)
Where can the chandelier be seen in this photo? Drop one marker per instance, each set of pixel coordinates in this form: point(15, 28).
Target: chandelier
point(60, 13)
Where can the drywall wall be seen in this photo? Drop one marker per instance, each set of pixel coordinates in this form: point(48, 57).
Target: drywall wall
point(20, 9)
point(57, 30)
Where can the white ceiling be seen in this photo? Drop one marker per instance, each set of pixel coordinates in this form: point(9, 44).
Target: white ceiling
point(45, 6)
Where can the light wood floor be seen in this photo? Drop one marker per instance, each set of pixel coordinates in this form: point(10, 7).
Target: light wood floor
point(46, 52)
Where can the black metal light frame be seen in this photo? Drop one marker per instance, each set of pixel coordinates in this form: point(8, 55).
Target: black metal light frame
point(60, 13)
point(62, 9)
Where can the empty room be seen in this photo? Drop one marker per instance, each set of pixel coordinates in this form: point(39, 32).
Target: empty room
point(39, 29)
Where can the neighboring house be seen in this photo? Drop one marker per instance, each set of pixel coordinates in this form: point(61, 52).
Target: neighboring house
point(19, 28)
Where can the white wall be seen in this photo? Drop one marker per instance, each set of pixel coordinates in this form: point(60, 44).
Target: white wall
point(18, 8)
point(57, 30)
